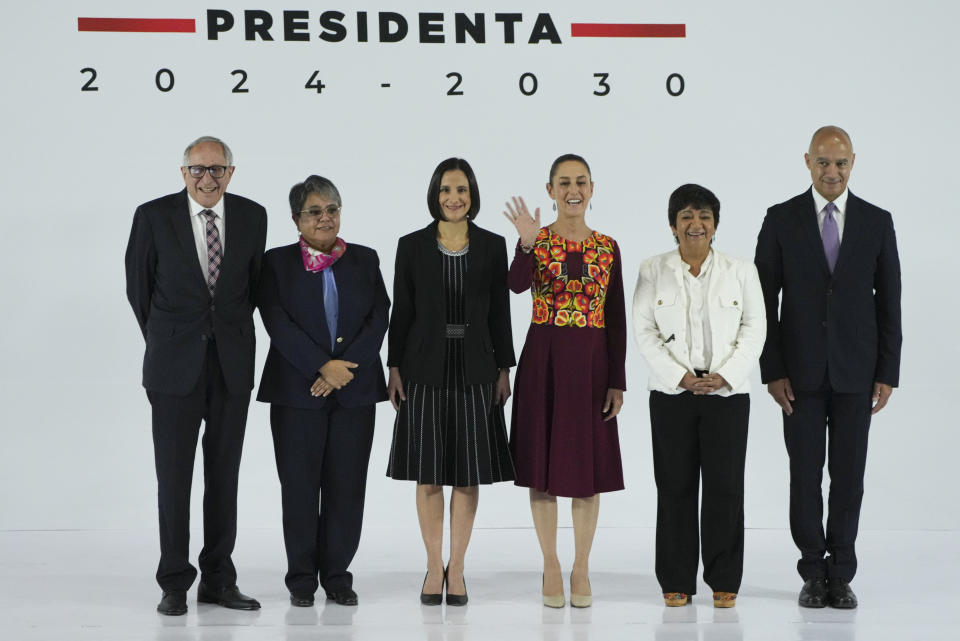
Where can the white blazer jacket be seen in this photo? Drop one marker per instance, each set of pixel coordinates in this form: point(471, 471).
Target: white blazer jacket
point(737, 321)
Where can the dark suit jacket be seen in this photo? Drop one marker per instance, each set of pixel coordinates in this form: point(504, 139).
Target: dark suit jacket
point(847, 323)
point(417, 341)
point(167, 288)
point(291, 306)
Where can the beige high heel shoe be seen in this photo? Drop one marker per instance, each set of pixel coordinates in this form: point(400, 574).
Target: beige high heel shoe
point(552, 601)
point(580, 600)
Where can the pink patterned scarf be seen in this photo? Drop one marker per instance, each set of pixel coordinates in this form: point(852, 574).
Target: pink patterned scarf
point(319, 262)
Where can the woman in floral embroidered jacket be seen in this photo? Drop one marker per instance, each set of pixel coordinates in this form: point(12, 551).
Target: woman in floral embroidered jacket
point(571, 376)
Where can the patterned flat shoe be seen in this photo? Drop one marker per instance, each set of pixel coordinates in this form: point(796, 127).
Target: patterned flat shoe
point(724, 599)
point(675, 599)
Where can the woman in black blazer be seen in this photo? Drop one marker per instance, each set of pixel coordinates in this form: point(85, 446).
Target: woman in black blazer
point(450, 353)
point(324, 305)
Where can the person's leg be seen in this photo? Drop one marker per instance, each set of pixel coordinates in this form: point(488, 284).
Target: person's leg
point(804, 432)
point(176, 427)
point(342, 491)
point(225, 424)
point(723, 449)
point(463, 509)
point(299, 437)
point(585, 512)
point(543, 507)
point(849, 427)
point(430, 514)
point(676, 467)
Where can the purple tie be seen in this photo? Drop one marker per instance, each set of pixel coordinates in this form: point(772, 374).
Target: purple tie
point(831, 237)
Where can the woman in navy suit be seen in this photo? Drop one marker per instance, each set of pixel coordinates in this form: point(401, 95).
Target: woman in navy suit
point(325, 307)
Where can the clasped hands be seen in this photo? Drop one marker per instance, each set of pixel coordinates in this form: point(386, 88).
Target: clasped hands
point(335, 374)
point(701, 385)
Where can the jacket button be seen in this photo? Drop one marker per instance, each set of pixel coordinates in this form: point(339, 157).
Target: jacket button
point(339, 339)
point(735, 303)
point(659, 302)
point(203, 337)
point(823, 323)
point(829, 292)
point(213, 308)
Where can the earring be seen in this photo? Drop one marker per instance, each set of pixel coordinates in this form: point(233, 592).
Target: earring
point(554, 206)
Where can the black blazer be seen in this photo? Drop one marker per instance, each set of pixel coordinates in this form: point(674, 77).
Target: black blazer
point(167, 288)
point(417, 342)
point(291, 306)
point(847, 323)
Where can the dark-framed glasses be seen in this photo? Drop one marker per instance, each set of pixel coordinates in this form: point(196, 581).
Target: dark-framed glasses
point(317, 212)
point(197, 171)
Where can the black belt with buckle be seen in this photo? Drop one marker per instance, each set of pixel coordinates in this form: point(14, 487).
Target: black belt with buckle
point(701, 372)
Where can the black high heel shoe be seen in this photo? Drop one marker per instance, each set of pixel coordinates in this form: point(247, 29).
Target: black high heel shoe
point(455, 599)
point(432, 599)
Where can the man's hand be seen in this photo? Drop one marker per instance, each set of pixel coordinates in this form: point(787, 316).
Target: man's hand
point(881, 394)
point(337, 372)
point(395, 388)
point(782, 393)
point(321, 388)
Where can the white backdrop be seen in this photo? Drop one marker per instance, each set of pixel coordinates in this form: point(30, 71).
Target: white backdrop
point(759, 78)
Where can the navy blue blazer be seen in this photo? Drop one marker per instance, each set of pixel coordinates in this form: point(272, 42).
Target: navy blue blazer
point(847, 323)
point(291, 306)
point(167, 289)
point(418, 329)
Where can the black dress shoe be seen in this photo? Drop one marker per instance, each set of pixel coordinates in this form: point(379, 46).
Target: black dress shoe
point(173, 603)
point(839, 595)
point(813, 594)
point(228, 596)
point(343, 596)
point(455, 599)
point(301, 600)
point(432, 599)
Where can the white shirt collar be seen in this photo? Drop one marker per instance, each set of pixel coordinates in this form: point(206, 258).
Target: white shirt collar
point(196, 208)
point(841, 201)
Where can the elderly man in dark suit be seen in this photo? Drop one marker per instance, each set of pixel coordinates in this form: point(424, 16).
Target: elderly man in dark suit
point(832, 354)
point(192, 263)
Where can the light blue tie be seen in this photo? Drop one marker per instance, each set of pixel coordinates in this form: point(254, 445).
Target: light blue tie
point(331, 306)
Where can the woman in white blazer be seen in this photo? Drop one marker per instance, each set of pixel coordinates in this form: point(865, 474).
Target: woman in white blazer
point(699, 321)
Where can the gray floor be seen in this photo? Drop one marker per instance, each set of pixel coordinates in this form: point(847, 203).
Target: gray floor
point(68, 585)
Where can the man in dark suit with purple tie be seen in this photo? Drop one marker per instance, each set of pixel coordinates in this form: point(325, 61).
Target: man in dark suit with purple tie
point(192, 264)
point(830, 274)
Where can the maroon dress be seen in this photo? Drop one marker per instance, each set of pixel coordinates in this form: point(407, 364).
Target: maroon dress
point(574, 351)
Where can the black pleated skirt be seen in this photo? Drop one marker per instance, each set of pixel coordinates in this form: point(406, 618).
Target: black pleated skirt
point(451, 435)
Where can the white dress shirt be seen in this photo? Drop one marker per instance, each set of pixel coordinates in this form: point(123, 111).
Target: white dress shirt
point(737, 325)
point(698, 314)
point(821, 204)
point(199, 223)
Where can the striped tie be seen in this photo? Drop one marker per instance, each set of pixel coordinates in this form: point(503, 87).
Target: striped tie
point(214, 251)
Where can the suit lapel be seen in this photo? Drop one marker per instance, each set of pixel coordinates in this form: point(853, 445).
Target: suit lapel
point(807, 219)
point(476, 260)
point(238, 236)
point(183, 228)
point(433, 263)
point(852, 231)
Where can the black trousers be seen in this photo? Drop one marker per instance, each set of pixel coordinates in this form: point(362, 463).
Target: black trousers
point(694, 436)
point(322, 457)
point(846, 417)
point(176, 428)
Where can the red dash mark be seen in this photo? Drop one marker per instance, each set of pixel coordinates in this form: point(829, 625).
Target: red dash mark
point(138, 25)
point(600, 30)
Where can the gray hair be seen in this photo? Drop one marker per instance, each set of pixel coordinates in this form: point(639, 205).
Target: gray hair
point(312, 185)
point(227, 154)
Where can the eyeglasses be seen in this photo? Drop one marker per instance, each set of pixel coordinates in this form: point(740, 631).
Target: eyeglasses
point(197, 171)
point(317, 212)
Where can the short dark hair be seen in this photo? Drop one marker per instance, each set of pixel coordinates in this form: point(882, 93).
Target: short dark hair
point(433, 191)
point(312, 185)
point(695, 196)
point(564, 158)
